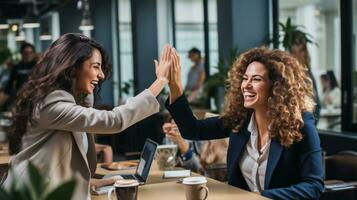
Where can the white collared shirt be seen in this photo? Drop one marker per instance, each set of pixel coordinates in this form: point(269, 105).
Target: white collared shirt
point(85, 142)
point(253, 164)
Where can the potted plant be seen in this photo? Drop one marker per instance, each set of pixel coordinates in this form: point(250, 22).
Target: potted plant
point(215, 84)
point(37, 188)
point(289, 34)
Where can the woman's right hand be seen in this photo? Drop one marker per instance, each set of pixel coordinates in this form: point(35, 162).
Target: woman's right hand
point(176, 89)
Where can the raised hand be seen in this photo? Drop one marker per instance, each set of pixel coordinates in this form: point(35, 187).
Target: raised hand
point(163, 66)
point(176, 89)
point(162, 71)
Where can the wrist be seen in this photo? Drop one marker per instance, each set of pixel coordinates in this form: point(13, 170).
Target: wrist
point(187, 155)
point(183, 147)
point(176, 89)
point(162, 80)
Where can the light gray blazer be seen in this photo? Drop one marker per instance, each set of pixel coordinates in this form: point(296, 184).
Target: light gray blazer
point(55, 143)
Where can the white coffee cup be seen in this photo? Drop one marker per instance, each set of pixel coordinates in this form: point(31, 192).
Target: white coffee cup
point(195, 188)
point(125, 189)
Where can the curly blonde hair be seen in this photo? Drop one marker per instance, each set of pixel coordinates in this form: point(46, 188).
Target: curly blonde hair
point(291, 94)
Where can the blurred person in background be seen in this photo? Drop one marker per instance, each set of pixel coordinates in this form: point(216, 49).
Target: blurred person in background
point(196, 76)
point(18, 75)
point(195, 155)
point(331, 93)
point(6, 63)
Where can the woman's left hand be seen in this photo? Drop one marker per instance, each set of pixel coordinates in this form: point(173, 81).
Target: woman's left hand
point(163, 67)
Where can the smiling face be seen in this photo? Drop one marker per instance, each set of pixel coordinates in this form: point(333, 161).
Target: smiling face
point(90, 74)
point(256, 86)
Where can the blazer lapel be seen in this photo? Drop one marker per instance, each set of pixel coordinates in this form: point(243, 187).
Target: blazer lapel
point(237, 143)
point(78, 138)
point(273, 159)
point(91, 155)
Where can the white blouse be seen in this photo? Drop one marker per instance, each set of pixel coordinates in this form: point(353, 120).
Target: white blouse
point(253, 164)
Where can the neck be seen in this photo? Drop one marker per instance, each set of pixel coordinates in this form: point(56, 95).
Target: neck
point(262, 121)
point(197, 62)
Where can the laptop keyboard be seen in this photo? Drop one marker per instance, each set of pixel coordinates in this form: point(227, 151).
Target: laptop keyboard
point(128, 176)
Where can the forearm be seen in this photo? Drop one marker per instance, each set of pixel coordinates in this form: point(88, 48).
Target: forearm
point(303, 190)
point(158, 85)
point(175, 92)
point(183, 146)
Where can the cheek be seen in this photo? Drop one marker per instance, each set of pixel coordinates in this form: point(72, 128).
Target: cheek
point(264, 92)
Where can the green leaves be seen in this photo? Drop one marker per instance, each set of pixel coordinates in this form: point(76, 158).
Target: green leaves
point(293, 35)
point(63, 191)
point(37, 181)
point(36, 188)
point(223, 66)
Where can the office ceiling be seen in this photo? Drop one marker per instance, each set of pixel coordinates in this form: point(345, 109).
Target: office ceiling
point(323, 5)
point(17, 9)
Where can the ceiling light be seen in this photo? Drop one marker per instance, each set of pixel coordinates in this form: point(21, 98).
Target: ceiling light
point(14, 27)
point(4, 26)
point(46, 37)
point(86, 22)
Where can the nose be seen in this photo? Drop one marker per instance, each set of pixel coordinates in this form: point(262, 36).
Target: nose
point(101, 75)
point(247, 83)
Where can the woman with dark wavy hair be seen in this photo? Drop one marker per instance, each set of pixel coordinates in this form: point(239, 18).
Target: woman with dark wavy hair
point(274, 148)
point(54, 112)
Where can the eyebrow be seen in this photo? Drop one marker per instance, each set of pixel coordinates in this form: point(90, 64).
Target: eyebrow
point(97, 63)
point(255, 75)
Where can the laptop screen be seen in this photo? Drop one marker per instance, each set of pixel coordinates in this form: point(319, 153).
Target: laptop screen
point(146, 158)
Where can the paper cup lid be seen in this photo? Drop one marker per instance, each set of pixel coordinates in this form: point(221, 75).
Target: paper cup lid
point(194, 180)
point(126, 183)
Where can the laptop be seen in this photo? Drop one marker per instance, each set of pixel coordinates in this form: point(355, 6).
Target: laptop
point(143, 168)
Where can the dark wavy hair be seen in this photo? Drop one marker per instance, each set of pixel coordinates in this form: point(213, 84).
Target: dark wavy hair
point(291, 94)
point(55, 70)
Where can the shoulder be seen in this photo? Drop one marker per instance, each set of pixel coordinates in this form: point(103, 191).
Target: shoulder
point(58, 96)
point(309, 131)
point(335, 91)
point(202, 66)
point(309, 123)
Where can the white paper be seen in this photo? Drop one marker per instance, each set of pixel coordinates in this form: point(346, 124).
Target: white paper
point(177, 173)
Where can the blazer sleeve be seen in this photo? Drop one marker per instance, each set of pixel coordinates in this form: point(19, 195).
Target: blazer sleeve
point(191, 128)
point(311, 183)
point(59, 111)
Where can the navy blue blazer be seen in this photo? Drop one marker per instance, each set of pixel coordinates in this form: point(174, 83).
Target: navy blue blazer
point(292, 173)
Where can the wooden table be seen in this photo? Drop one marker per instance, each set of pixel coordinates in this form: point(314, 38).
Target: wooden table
point(4, 154)
point(158, 188)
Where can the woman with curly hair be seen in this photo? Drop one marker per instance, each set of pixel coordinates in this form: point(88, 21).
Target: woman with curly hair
point(274, 148)
point(54, 118)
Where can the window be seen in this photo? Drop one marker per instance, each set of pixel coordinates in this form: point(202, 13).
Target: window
point(126, 49)
point(189, 31)
point(354, 61)
point(320, 19)
point(213, 35)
